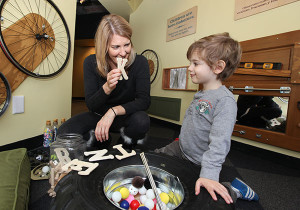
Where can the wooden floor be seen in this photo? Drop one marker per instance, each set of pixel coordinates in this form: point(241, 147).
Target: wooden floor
point(78, 106)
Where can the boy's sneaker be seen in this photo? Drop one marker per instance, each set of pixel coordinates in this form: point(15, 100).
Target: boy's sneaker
point(246, 192)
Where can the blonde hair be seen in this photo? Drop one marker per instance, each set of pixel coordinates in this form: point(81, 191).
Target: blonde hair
point(111, 25)
point(218, 47)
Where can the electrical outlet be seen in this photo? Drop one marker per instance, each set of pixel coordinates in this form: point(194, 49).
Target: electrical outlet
point(18, 104)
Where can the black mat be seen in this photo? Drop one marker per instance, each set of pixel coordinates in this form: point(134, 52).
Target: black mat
point(276, 183)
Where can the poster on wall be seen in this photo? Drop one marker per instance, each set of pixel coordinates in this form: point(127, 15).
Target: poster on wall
point(251, 7)
point(178, 78)
point(182, 24)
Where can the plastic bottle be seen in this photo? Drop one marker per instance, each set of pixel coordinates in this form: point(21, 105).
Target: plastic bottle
point(48, 134)
point(62, 121)
point(54, 128)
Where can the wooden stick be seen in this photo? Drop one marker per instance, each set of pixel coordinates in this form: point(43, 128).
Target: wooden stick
point(152, 183)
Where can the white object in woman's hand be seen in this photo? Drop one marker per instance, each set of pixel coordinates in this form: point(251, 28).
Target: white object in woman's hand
point(121, 64)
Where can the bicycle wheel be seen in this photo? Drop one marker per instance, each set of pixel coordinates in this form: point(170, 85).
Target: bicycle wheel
point(153, 63)
point(34, 36)
point(5, 94)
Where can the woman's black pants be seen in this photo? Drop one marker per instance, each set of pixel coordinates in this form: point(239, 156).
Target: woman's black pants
point(135, 125)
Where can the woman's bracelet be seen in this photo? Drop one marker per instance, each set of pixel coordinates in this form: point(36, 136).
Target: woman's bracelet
point(113, 111)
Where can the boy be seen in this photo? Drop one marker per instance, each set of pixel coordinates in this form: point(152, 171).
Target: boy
point(206, 130)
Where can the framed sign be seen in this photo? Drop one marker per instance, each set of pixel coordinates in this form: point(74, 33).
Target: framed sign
point(176, 78)
point(182, 24)
point(251, 7)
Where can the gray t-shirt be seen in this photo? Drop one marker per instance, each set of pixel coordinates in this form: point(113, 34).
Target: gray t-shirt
point(206, 130)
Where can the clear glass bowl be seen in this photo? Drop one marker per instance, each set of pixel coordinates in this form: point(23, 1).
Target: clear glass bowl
point(72, 142)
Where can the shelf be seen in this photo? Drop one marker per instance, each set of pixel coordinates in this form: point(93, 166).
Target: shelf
point(192, 90)
point(263, 72)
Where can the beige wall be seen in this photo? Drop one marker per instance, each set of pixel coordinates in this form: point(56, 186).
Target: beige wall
point(149, 23)
point(44, 99)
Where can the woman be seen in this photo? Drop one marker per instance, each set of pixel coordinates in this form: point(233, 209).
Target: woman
point(114, 105)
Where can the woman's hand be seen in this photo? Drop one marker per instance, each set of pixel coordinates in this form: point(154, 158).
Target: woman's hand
point(212, 187)
point(112, 79)
point(102, 128)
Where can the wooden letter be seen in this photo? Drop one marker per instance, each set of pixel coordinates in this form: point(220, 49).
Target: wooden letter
point(62, 155)
point(98, 155)
point(121, 64)
point(77, 165)
point(124, 152)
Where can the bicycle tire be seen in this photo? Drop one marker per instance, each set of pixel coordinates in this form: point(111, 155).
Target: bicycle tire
point(5, 99)
point(58, 57)
point(152, 58)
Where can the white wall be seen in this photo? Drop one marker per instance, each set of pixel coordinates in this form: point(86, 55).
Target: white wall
point(44, 99)
point(149, 24)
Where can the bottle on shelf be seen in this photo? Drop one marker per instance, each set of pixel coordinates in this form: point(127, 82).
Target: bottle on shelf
point(48, 134)
point(54, 128)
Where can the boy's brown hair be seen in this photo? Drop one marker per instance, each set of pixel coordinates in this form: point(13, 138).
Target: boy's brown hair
point(217, 47)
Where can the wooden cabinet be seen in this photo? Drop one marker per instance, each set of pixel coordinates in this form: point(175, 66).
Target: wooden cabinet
point(285, 49)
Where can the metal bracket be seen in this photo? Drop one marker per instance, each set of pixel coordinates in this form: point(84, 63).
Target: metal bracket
point(249, 89)
point(258, 135)
point(242, 132)
point(285, 89)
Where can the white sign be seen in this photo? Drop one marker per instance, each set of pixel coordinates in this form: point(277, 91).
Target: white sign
point(182, 25)
point(245, 8)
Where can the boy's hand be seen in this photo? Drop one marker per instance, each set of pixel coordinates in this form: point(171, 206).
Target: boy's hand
point(212, 187)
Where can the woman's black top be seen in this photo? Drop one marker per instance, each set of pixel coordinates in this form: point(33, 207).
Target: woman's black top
point(132, 94)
